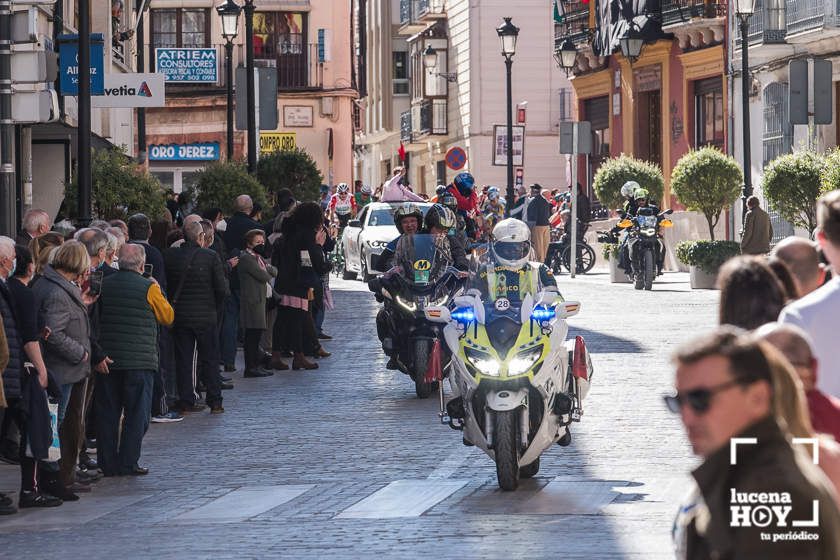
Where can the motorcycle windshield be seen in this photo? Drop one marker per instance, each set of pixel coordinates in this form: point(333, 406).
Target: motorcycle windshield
point(423, 258)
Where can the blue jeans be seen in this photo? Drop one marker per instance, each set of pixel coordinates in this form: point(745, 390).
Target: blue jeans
point(230, 328)
point(318, 315)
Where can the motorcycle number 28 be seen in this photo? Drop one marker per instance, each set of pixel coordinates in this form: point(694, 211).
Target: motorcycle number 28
point(502, 304)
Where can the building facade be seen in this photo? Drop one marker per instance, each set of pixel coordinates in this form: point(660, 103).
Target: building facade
point(307, 42)
point(671, 99)
point(459, 101)
point(781, 31)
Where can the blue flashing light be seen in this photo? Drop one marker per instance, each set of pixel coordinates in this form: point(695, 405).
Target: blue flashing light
point(542, 314)
point(464, 315)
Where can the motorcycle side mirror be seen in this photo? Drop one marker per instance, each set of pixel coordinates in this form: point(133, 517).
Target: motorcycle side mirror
point(666, 223)
point(568, 309)
point(667, 212)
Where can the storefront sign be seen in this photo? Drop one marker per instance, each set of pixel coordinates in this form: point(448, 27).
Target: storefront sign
point(184, 152)
point(188, 66)
point(297, 115)
point(271, 142)
point(68, 56)
point(132, 90)
point(500, 145)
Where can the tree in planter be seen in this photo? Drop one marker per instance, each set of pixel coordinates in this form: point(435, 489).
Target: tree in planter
point(291, 169)
point(119, 188)
point(706, 255)
point(218, 185)
point(792, 183)
point(614, 172)
point(707, 181)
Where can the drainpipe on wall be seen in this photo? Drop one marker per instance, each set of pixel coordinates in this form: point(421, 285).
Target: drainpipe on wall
point(730, 229)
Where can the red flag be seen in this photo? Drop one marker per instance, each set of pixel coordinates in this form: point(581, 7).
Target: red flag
point(401, 152)
point(434, 372)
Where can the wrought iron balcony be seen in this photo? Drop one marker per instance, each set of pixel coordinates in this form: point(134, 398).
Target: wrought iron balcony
point(405, 127)
point(767, 25)
point(802, 16)
point(677, 12)
point(575, 23)
point(430, 117)
point(416, 14)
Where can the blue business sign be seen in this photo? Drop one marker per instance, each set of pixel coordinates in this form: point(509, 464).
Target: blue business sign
point(184, 152)
point(68, 56)
point(189, 66)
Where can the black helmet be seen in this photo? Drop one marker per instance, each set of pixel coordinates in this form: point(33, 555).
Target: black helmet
point(439, 216)
point(407, 210)
point(449, 201)
point(440, 190)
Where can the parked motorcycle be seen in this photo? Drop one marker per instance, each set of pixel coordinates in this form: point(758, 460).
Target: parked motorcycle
point(517, 383)
point(646, 249)
point(423, 277)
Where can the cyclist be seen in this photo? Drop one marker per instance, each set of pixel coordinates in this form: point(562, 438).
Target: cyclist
point(342, 206)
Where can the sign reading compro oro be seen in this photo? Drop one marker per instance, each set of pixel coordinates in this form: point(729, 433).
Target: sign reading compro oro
point(188, 65)
point(271, 142)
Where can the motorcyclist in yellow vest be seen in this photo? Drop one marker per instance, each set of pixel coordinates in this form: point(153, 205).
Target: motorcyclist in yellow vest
point(508, 274)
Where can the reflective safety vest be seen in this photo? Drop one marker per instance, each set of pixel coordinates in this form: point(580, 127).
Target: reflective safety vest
point(507, 282)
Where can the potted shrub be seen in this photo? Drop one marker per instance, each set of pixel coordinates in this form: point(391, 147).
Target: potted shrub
point(219, 183)
point(705, 258)
point(614, 172)
point(707, 181)
point(610, 252)
point(291, 169)
point(792, 183)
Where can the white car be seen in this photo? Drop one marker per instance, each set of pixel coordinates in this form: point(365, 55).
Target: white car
point(367, 236)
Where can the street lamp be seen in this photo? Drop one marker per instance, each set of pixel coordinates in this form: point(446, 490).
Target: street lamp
point(631, 42)
point(250, 87)
point(508, 34)
point(566, 56)
point(229, 14)
point(430, 62)
point(744, 9)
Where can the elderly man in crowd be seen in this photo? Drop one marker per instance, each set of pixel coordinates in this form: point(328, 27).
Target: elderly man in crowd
point(238, 225)
point(802, 258)
point(36, 223)
point(758, 231)
point(116, 239)
point(818, 313)
point(724, 391)
point(197, 288)
point(130, 309)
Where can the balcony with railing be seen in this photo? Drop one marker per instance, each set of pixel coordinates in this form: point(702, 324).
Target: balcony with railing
point(429, 117)
point(414, 15)
point(805, 16)
point(767, 24)
point(678, 12)
point(405, 127)
point(575, 24)
point(299, 65)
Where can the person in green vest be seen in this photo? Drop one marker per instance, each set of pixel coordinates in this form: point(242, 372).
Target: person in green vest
point(130, 309)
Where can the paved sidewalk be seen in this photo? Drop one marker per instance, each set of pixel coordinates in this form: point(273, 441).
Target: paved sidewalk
point(345, 462)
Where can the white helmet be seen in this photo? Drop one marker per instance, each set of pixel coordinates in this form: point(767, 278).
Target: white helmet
point(629, 188)
point(512, 242)
point(343, 188)
point(365, 189)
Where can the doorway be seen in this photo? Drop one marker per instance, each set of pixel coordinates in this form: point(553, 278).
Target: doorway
point(649, 126)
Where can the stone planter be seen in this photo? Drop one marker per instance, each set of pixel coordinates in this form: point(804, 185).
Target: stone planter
point(617, 275)
point(701, 280)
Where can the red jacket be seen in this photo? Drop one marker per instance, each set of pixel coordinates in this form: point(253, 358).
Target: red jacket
point(465, 203)
point(825, 413)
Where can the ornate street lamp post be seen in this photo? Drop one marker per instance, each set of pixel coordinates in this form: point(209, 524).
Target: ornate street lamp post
point(508, 34)
point(565, 56)
point(744, 9)
point(229, 14)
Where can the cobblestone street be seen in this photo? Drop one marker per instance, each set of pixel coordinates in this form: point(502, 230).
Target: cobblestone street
point(345, 462)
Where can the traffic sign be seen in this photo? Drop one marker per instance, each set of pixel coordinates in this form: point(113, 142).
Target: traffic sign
point(456, 158)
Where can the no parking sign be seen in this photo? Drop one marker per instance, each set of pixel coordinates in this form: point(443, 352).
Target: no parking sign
point(456, 158)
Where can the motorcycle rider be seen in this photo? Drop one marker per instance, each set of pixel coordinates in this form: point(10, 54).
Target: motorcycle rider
point(509, 274)
point(493, 209)
point(641, 198)
point(440, 220)
point(364, 196)
point(463, 189)
point(628, 210)
point(342, 206)
point(408, 219)
point(460, 231)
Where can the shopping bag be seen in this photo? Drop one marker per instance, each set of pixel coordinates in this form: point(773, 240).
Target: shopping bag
point(329, 302)
point(55, 446)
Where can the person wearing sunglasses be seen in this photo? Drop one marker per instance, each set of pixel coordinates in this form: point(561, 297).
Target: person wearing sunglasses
point(724, 390)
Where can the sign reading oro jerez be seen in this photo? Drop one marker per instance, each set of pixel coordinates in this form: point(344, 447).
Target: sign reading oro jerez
point(189, 66)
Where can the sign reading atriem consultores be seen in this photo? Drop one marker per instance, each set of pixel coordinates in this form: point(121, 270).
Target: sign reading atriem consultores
point(184, 152)
point(188, 65)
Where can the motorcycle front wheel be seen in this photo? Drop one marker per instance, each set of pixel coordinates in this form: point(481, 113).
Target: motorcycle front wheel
point(421, 364)
point(506, 448)
point(649, 270)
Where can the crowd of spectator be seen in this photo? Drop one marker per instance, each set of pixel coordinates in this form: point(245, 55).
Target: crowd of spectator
point(117, 325)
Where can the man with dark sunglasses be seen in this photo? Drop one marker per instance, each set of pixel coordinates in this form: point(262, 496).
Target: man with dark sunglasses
point(752, 490)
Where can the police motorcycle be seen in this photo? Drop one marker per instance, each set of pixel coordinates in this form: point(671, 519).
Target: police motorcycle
point(644, 241)
point(422, 277)
point(517, 383)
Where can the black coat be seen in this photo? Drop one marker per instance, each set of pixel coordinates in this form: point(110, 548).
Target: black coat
point(38, 426)
point(295, 278)
point(25, 310)
point(14, 371)
point(237, 226)
point(205, 286)
point(155, 258)
point(539, 211)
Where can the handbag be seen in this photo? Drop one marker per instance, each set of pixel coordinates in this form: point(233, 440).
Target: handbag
point(55, 445)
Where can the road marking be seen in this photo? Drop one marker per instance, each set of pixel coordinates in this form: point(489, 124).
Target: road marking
point(89, 508)
point(448, 466)
point(244, 503)
point(562, 496)
point(403, 498)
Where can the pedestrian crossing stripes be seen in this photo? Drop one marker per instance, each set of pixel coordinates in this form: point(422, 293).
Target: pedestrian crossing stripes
point(245, 503)
point(403, 498)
